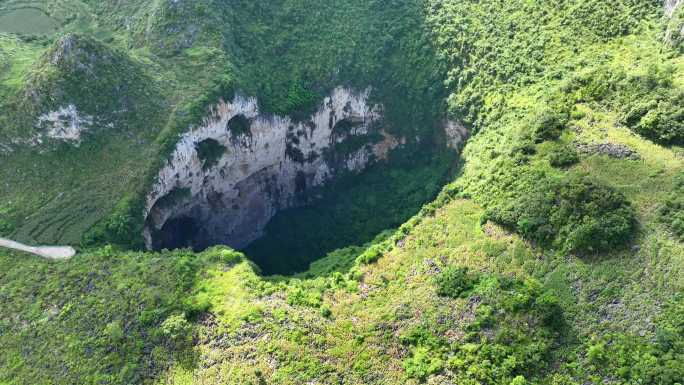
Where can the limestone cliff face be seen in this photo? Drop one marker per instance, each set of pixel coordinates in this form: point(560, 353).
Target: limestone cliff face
point(671, 6)
point(674, 11)
point(456, 134)
point(232, 174)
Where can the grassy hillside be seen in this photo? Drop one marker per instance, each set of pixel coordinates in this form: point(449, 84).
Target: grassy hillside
point(555, 255)
point(158, 65)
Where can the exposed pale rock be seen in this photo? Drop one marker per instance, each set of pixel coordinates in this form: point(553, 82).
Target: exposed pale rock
point(456, 134)
point(5, 149)
point(671, 6)
point(674, 34)
point(613, 150)
point(269, 164)
point(65, 124)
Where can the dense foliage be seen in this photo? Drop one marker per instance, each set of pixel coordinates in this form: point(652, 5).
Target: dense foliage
point(672, 211)
point(106, 316)
point(100, 82)
point(512, 326)
point(454, 282)
point(350, 211)
point(630, 359)
point(563, 156)
point(443, 299)
point(574, 214)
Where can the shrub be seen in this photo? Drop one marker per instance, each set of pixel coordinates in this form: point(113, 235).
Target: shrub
point(176, 328)
point(575, 214)
point(549, 125)
point(326, 311)
point(563, 156)
point(209, 152)
point(519, 380)
point(454, 282)
point(6, 227)
point(596, 353)
point(224, 255)
point(371, 255)
point(671, 213)
point(309, 297)
point(629, 357)
point(660, 119)
point(114, 332)
point(426, 353)
point(123, 227)
point(422, 364)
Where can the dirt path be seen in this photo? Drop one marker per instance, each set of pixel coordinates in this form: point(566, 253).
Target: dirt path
point(50, 252)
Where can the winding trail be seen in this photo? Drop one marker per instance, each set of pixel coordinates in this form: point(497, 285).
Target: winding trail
point(49, 252)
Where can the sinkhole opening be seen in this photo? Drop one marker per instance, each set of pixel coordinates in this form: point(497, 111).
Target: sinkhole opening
point(345, 213)
point(177, 233)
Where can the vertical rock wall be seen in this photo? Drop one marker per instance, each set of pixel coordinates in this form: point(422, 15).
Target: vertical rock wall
point(227, 178)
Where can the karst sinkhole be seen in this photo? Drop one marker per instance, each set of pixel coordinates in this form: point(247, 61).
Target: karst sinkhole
point(349, 211)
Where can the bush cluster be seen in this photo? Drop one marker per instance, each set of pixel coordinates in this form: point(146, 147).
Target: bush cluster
point(660, 118)
point(575, 214)
point(633, 359)
point(454, 282)
point(6, 224)
point(649, 103)
point(209, 152)
point(672, 211)
point(549, 125)
point(499, 346)
point(563, 156)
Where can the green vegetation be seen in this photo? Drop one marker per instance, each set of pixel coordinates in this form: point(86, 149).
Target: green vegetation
point(350, 211)
point(209, 152)
point(661, 119)
point(6, 226)
point(454, 281)
point(672, 211)
point(499, 342)
point(574, 214)
point(27, 21)
point(548, 125)
point(563, 156)
point(576, 278)
point(108, 316)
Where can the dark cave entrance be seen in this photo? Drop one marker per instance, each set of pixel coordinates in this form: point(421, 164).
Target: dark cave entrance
point(177, 233)
point(350, 212)
point(346, 213)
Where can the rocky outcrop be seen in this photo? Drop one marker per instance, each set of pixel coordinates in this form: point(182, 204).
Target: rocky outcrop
point(671, 6)
point(613, 150)
point(65, 124)
point(81, 84)
point(674, 32)
point(456, 134)
point(227, 178)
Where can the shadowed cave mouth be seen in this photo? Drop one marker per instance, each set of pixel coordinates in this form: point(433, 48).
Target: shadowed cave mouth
point(346, 213)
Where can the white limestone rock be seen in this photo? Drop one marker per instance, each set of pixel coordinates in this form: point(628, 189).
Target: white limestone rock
point(456, 134)
point(264, 169)
point(671, 6)
point(65, 124)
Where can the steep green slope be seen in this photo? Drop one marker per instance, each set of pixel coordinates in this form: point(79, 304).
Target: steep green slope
point(164, 62)
point(554, 257)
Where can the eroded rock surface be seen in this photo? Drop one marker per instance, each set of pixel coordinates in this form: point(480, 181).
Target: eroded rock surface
point(613, 150)
point(229, 177)
point(674, 11)
point(65, 124)
point(671, 6)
